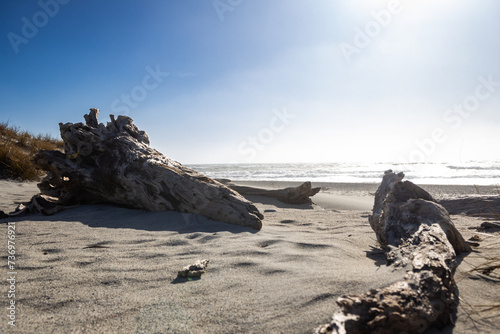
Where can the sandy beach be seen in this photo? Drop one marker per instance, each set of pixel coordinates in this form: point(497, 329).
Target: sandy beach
point(105, 269)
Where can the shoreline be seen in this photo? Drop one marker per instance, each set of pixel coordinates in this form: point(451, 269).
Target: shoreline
point(360, 196)
point(370, 188)
point(333, 195)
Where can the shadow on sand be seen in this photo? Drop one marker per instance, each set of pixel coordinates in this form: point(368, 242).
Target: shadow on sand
point(109, 216)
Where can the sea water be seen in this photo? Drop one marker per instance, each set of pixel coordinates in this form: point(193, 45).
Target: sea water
point(464, 173)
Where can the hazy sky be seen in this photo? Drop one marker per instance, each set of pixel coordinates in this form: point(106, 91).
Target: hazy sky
point(263, 80)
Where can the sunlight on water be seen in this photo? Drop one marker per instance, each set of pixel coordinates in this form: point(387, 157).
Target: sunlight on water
point(469, 173)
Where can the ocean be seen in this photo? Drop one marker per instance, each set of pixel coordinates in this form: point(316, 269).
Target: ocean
point(467, 173)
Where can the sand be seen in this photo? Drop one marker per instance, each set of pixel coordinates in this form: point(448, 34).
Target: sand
point(105, 269)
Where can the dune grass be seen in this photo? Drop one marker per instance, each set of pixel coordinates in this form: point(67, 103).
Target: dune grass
point(490, 264)
point(486, 269)
point(17, 148)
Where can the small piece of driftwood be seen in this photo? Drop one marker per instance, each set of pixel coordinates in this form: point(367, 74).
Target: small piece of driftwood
point(114, 164)
point(416, 232)
point(291, 195)
point(194, 270)
point(37, 204)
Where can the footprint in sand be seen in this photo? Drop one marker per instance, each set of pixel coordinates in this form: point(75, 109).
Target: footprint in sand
point(294, 222)
point(175, 242)
point(48, 251)
point(194, 235)
point(271, 272)
point(82, 264)
point(319, 298)
point(267, 243)
point(102, 244)
point(245, 264)
point(138, 242)
point(308, 246)
point(208, 238)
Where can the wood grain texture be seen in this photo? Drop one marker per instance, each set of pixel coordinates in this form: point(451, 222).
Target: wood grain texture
point(114, 164)
point(417, 233)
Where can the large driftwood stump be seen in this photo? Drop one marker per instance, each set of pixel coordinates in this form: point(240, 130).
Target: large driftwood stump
point(291, 195)
point(114, 164)
point(415, 231)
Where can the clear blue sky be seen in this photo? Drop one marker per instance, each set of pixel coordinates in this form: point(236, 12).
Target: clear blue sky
point(263, 80)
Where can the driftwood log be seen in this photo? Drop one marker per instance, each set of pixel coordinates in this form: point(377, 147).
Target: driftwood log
point(291, 195)
point(114, 164)
point(417, 232)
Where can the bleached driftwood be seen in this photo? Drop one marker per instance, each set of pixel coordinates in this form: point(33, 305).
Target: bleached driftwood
point(415, 231)
point(291, 195)
point(194, 270)
point(113, 163)
point(37, 204)
point(486, 206)
point(396, 198)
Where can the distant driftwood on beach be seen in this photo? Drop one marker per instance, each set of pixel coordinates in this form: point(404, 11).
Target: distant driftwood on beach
point(291, 195)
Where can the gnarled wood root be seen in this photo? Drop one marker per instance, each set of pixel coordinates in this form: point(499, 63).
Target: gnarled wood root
point(37, 204)
point(416, 231)
point(114, 164)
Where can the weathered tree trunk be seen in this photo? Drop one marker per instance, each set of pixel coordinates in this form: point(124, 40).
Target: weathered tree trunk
point(392, 197)
point(415, 231)
point(291, 195)
point(113, 163)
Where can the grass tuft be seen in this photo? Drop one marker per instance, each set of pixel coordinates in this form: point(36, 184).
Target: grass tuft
point(488, 269)
point(17, 148)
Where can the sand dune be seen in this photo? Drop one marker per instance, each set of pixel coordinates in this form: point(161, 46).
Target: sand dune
point(104, 269)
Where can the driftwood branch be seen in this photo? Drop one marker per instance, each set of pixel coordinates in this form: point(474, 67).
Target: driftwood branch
point(114, 164)
point(37, 204)
point(416, 232)
point(291, 195)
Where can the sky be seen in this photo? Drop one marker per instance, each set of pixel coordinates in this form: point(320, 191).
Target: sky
point(263, 81)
